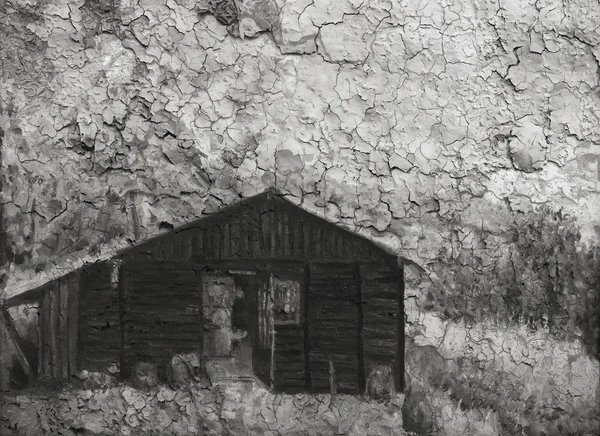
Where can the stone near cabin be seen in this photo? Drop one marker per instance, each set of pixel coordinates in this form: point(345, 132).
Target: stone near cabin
point(96, 380)
point(417, 411)
point(145, 375)
point(183, 369)
point(380, 383)
point(425, 363)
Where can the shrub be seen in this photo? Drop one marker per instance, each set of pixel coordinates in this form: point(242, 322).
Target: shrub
point(550, 280)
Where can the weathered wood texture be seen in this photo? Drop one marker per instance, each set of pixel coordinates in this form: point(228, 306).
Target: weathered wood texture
point(264, 331)
point(334, 328)
point(264, 227)
point(58, 328)
point(161, 311)
point(289, 358)
point(99, 328)
point(18, 343)
point(381, 335)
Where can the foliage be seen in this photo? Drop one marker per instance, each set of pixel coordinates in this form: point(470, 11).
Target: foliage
point(550, 280)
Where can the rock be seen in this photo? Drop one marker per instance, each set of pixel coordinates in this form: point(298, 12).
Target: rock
point(425, 363)
point(165, 394)
point(380, 383)
point(131, 418)
point(183, 369)
point(225, 11)
point(133, 398)
point(256, 16)
point(417, 413)
point(95, 380)
point(182, 398)
point(145, 375)
point(94, 423)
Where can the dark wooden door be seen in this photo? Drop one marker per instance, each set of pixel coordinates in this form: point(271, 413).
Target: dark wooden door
point(264, 330)
point(334, 329)
point(160, 311)
point(383, 319)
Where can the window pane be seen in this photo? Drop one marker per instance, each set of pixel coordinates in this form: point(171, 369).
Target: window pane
point(286, 295)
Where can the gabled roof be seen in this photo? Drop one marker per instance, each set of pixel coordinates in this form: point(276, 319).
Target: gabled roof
point(264, 227)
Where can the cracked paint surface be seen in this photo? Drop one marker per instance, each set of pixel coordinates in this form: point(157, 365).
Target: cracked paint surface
point(394, 120)
point(429, 127)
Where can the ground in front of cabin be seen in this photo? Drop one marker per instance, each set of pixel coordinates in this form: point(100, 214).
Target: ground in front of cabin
point(234, 408)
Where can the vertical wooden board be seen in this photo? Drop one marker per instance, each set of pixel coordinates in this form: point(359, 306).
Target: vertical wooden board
point(264, 234)
point(273, 228)
point(339, 238)
point(300, 247)
point(197, 246)
point(288, 235)
point(73, 321)
point(361, 357)
point(42, 337)
point(400, 332)
point(54, 330)
point(186, 246)
point(176, 243)
point(225, 239)
point(333, 242)
point(63, 337)
point(244, 236)
point(207, 251)
point(157, 250)
point(316, 241)
point(307, 321)
point(309, 244)
point(305, 250)
point(200, 277)
point(253, 232)
point(292, 235)
point(279, 233)
point(234, 238)
point(121, 286)
point(39, 344)
point(170, 249)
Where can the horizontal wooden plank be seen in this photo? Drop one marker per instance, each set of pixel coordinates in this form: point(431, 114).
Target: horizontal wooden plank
point(379, 328)
point(98, 339)
point(335, 328)
point(179, 307)
point(370, 342)
point(289, 332)
point(347, 335)
point(151, 317)
point(374, 360)
point(381, 302)
point(289, 373)
point(289, 350)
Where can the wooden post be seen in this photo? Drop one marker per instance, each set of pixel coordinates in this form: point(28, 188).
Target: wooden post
point(13, 336)
point(73, 316)
point(63, 331)
point(361, 357)
point(307, 375)
point(40, 341)
point(400, 333)
point(54, 329)
point(43, 338)
point(332, 383)
point(118, 276)
point(201, 311)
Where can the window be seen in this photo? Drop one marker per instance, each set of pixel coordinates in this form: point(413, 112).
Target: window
point(286, 301)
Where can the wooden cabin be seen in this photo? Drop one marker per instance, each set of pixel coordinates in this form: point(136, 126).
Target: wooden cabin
point(301, 301)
